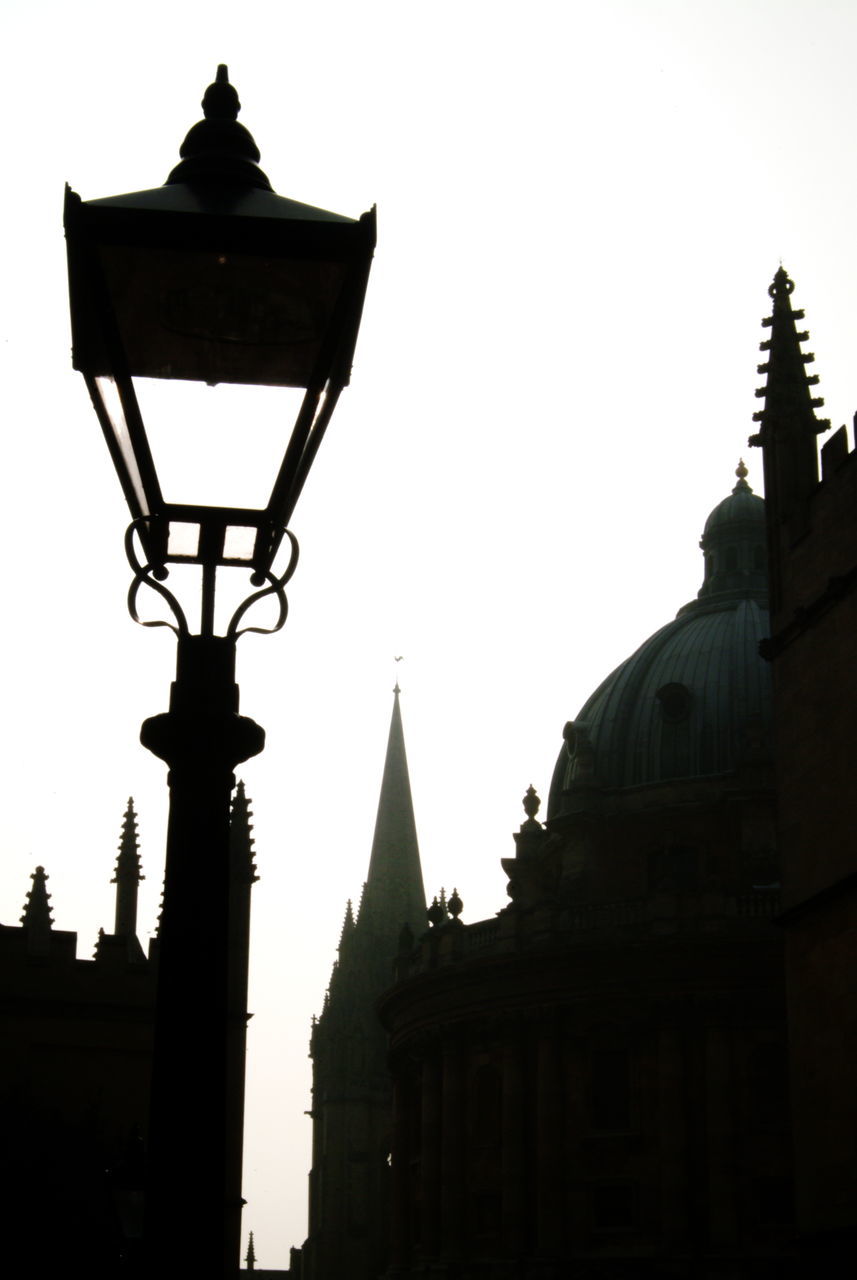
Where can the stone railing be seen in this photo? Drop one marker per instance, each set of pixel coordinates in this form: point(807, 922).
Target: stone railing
point(659, 914)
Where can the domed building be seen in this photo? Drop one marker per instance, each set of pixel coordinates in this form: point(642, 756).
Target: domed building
point(594, 1082)
point(694, 700)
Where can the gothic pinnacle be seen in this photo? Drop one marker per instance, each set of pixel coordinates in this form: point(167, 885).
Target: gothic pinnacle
point(37, 911)
point(786, 390)
point(127, 876)
point(787, 424)
point(241, 838)
point(128, 858)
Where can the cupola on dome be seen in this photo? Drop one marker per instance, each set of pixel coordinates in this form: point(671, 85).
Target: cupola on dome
point(733, 543)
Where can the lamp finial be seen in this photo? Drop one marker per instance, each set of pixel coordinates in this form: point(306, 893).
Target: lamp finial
point(220, 100)
point(218, 149)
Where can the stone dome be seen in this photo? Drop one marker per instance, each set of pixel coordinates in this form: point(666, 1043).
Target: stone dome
point(694, 700)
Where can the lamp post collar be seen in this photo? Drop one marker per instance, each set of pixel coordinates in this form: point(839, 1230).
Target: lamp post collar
point(219, 150)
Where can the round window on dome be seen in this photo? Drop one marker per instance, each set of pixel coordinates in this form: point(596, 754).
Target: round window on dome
point(675, 702)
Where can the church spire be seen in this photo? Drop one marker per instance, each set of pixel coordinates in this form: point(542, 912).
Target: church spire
point(352, 1094)
point(394, 893)
point(127, 875)
point(788, 425)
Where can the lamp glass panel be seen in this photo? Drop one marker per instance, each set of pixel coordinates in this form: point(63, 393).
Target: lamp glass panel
point(239, 542)
point(183, 538)
point(217, 446)
point(111, 404)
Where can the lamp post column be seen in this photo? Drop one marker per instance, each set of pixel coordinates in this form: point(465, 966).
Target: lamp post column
point(212, 278)
point(193, 1199)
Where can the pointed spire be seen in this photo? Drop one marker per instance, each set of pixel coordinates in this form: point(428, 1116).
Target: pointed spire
point(127, 875)
point(37, 912)
point(251, 1254)
point(788, 425)
point(394, 892)
point(241, 838)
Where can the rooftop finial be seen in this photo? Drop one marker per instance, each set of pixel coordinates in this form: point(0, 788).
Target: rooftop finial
point(531, 802)
point(782, 283)
point(742, 473)
point(435, 913)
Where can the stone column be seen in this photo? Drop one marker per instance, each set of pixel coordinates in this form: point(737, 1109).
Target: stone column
point(672, 1139)
point(549, 1138)
point(722, 1150)
point(430, 1163)
point(514, 1157)
point(400, 1207)
point(452, 1156)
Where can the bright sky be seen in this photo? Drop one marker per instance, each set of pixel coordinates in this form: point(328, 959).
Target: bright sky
point(580, 209)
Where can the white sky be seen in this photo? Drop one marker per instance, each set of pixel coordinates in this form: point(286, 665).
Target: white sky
point(580, 209)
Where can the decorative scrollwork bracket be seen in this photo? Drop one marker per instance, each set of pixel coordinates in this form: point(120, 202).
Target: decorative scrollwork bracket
point(148, 574)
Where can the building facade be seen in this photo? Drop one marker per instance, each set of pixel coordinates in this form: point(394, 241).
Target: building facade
point(594, 1083)
point(75, 1071)
point(644, 1065)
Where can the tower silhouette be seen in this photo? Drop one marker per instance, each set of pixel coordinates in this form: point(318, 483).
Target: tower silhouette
point(352, 1097)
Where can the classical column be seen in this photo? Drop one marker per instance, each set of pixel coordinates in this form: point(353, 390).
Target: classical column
point(400, 1207)
point(513, 1160)
point(549, 1138)
point(672, 1138)
point(431, 1155)
point(721, 1146)
point(453, 1184)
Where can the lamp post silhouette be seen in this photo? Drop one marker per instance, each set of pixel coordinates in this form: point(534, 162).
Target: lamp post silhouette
point(212, 278)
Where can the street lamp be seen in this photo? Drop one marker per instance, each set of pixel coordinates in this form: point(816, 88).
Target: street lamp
point(210, 279)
